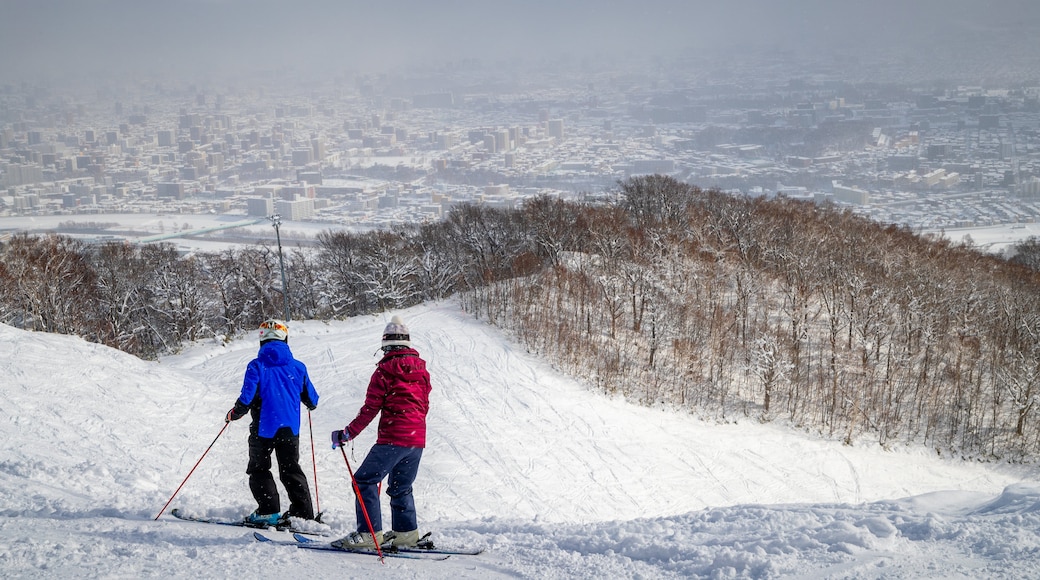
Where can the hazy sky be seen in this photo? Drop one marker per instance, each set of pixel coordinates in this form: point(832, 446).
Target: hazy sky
point(40, 37)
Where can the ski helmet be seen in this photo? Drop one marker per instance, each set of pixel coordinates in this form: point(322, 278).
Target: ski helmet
point(272, 329)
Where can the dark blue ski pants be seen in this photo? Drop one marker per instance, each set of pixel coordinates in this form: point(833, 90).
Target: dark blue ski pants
point(402, 465)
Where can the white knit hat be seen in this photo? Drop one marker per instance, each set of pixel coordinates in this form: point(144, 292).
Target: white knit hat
point(272, 329)
point(396, 333)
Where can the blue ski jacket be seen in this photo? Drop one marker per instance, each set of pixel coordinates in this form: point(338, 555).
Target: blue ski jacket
point(274, 386)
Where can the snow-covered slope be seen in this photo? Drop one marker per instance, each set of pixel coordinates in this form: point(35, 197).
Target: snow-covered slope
point(556, 481)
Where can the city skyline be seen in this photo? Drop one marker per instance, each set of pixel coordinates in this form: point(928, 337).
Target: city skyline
point(945, 136)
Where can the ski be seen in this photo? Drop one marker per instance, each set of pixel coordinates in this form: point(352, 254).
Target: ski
point(425, 546)
point(262, 538)
point(451, 551)
point(240, 523)
point(311, 544)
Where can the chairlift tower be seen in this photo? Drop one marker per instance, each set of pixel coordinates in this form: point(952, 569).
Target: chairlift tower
point(276, 221)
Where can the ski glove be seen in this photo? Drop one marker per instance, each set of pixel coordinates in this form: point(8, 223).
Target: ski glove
point(233, 416)
point(339, 438)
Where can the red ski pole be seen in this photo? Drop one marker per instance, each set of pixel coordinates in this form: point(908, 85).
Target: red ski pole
point(361, 502)
point(317, 502)
point(192, 471)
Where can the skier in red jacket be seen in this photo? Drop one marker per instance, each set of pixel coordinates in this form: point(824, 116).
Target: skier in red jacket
point(399, 392)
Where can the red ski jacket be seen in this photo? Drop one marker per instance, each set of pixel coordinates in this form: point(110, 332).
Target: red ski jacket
point(399, 392)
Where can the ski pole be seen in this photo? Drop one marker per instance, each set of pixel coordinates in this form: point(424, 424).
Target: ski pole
point(361, 502)
point(317, 502)
point(192, 470)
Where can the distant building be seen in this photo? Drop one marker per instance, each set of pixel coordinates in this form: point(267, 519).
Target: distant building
point(296, 210)
point(20, 174)
point(174, 190)
point(933, 178)
point(216, 161)
point(311, 177)
point(555, 129)
point(25, 202)
point(446, 140)
point(497, 190)
point(502, 141)
point(938, 151)
point(260, 206)
point(850, 194)
point(1030, 188)
point(301, 157)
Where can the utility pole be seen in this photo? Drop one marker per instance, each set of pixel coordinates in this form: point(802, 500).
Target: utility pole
point(276, 221)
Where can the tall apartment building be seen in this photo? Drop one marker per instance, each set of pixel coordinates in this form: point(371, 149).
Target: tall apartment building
point(20, 174)
point(296, 210)
point(1030, 188)
point(446, 140)
point(502, 141)
point(555, 129)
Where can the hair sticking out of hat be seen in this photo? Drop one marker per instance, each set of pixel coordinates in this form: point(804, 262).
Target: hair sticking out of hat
point(396, 334)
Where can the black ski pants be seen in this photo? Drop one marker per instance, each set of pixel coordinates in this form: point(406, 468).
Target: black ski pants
point(286, 448)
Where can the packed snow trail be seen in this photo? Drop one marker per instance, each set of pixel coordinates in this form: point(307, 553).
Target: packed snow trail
point(556, 481)
point(507, 431)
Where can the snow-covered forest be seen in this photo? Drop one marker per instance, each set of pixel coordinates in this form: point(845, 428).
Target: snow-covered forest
point(721, 306)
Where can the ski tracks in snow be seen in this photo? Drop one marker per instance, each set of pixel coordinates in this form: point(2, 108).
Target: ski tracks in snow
point(504, 430)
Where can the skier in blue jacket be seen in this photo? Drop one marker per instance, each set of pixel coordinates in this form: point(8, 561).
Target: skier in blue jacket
point(274, 386)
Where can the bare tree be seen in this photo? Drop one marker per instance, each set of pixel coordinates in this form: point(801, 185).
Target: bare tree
point(50, 285)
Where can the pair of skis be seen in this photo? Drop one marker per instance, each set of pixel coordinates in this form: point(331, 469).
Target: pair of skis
point(302, 541)
point(424, 549)
point(238, 523)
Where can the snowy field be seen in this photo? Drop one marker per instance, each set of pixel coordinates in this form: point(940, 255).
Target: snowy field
point(145, 226)
point(553, 480)
point(994, 239)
